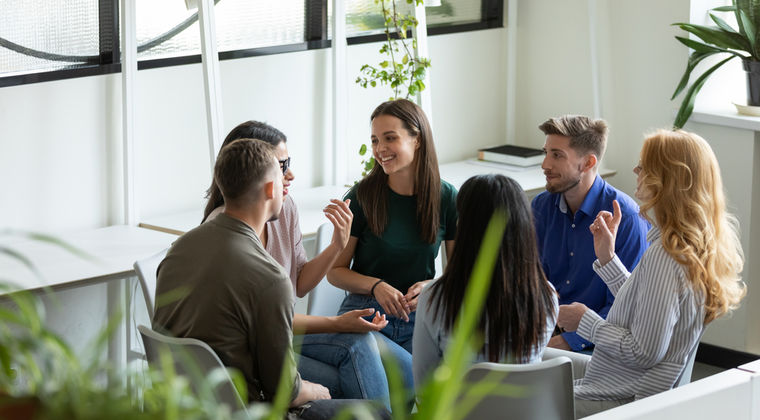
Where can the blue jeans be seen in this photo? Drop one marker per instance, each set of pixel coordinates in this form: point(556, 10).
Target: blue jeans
point(348, 365)
point(396, 337)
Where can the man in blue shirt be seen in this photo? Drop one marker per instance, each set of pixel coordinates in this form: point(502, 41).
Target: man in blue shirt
point(575, 194)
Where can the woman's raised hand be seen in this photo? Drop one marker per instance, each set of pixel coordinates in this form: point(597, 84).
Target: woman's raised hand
point(392, 301)
point(604, 228)
point(340, 215)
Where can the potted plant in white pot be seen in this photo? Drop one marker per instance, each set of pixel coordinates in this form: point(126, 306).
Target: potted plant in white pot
point(743, 43)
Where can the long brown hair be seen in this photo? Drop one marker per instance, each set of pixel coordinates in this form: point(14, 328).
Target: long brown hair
point(247, 130)
point(372, 190)
point(681, 179)
point(520, 300)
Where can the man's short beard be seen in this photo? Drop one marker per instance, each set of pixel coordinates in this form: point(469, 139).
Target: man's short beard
point(561, 189)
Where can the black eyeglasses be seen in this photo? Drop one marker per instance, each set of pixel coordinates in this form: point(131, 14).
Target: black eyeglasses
point(285, 164)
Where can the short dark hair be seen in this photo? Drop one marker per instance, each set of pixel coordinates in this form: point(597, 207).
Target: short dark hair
point(587, 135)
point(242, 167)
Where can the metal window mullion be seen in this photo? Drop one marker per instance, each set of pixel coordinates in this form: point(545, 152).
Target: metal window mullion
point(211, 77)
point(315, 20)
point(108, 31)
point(128, 74)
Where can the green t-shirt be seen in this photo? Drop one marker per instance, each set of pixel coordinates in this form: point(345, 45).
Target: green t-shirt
point(400, 256)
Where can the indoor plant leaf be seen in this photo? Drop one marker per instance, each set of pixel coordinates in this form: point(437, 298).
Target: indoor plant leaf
point(749, 31)
point(722, 24)
point(694, 59)
point(687, 106)
point(716, 36)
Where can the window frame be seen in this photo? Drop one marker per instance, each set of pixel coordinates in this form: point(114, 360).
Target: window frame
point(315, 38)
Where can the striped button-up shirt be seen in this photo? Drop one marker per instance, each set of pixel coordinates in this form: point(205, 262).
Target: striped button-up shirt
point(656, 320)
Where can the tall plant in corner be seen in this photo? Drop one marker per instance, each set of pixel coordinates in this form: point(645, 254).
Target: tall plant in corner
point(401, 68)
point(722, 39)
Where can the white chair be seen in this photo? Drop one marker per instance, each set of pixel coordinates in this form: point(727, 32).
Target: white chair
point(685, 377)
point(542, 390)
point(195, 360)
point(325, 299)
point(146, 271)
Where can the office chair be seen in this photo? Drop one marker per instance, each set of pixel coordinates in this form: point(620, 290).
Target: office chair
point(542, 390)
point(195, 360)
point(325, 299)
point(146, 271)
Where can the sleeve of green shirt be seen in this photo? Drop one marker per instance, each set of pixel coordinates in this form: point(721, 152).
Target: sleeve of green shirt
point(274, 333)
point(449, 207)
point(360, 221)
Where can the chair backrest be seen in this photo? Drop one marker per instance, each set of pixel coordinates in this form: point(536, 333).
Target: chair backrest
point(542, 390)
point(146, 271)
point(685, 377)
point(325, 299)
point(195, 360)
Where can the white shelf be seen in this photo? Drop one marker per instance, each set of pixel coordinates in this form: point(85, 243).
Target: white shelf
point(724, 114)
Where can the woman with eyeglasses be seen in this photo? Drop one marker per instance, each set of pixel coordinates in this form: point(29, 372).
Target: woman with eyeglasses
point(403, 211)
point(689, 276)
point(336, 351)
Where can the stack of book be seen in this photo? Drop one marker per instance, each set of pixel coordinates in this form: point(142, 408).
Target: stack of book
point(512, 155)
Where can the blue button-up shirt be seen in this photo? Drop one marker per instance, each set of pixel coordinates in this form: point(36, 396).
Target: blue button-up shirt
point(566, 246)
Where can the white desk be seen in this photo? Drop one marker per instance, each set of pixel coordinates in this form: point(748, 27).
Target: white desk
point(311, 201)
point(530, 178)
point(87, 291)
point(113, 250)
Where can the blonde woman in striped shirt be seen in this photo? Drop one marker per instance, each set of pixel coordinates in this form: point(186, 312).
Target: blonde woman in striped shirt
point(688, 276)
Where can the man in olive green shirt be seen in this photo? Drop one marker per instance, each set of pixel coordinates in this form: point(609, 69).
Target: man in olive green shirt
point(231, 293)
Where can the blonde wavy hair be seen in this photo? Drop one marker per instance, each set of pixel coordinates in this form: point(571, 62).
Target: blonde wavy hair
point(681, 182)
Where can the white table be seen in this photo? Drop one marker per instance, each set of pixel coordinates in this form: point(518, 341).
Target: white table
point(112, 249)
point(530, 178)
point(311, 201)
point(88, 291)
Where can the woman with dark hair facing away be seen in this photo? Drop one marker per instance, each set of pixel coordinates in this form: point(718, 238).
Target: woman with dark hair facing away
point(521, 306)
point(689, 276)
point(402, 212)
point(347, 364)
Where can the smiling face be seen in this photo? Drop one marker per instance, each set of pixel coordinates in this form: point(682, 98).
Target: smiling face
point(562, 165)
point(281, 151)
point(393, 146)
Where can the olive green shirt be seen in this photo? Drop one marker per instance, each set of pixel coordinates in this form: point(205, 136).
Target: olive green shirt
point(231, 294)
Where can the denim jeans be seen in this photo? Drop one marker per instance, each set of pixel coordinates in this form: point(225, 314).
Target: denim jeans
point(396, 337)
point(348, 365)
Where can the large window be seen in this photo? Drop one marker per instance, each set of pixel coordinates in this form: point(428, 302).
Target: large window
point(40, 36)
point(47, 40)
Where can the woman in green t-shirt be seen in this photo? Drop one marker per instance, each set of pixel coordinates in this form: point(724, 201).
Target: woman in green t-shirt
point(402, 212)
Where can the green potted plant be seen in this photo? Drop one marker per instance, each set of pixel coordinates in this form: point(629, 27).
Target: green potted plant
point(743, 43)
point(401, 68)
